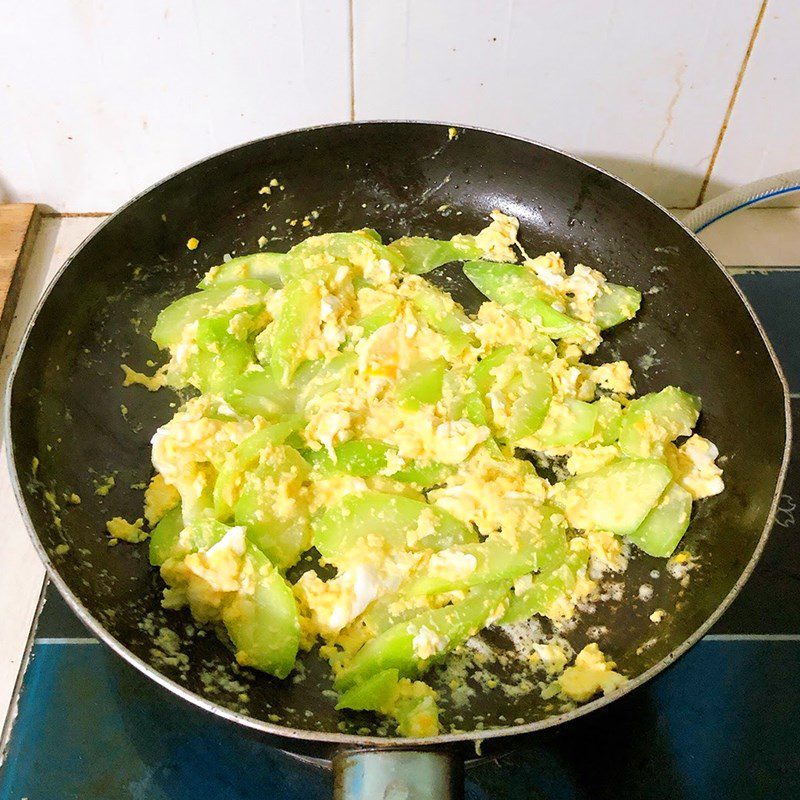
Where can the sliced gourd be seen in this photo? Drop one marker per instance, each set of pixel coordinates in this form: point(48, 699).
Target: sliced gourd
point(529, 411)
point(517, 289)
point(164, 537)
point(265, 267)
point(448, 627)
point(494, 559)
point(355, 247)
point(422, 254)
point(609, 420)
point(263, 623)
point(256, 392)
point(243, 297)
point(361, 457)
point(297, 321)
point(220, 358)
point(547, 588)
point(340, 529)
point(171, 539)
point(655, 419)
point(616, 304)
point(422, 384)
point(616, 497)
point(245, 456)
point(568, 422)
point(664, 526)
point(380, 316)
point(374, 694)
point(443, 315)
point(278, 524)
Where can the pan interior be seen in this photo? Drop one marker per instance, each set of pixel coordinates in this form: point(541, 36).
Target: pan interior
point(72, 416)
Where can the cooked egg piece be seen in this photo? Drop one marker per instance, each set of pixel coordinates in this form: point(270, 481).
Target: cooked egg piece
point(590, 675)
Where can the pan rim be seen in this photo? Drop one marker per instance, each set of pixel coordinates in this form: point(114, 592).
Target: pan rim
point(353, 740)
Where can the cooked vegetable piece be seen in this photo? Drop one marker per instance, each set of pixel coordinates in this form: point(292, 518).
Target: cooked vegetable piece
point(443, 315)
point(263, 623)
point(447, 627)
point(616, 304)
point(297, 321)
point(338, 531)
point(243, 297)
point(164, 538)
point(567, 423)
point(484, 372)
point(243, 457)
point(655, 419)
point(614, 498)
point(520, 291)
point(382, 315)
point(319, 377)
point(265, 267)
point(422, 254)
point(422, 384)
point(220, 359)
point(171, 539)
point(547, 588)
point(361, 457)
point(367, 457)
point(664, 526)
point(355, 248)
point(425, 475)
point(494, 559)
point(374, 694)
point(474, 408)
point(257, 392)
point(609, 420)
point(530, 410)
point(279, 526)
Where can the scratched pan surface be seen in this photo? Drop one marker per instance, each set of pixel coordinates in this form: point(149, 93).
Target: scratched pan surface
point(69, 410)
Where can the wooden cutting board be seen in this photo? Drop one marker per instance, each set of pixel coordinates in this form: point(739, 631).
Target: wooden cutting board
point(18, 225)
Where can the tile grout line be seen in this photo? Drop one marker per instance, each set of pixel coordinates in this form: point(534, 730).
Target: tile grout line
point(732, 102)
point(66, 640)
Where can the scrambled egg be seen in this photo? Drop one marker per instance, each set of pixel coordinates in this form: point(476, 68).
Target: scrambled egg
point(590, 675)
point(118, 528)
point(159, 497)
point(693, 464)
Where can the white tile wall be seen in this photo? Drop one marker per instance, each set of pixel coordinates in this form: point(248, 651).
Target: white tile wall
point(640, 88)
point(763, 135)
point(100, 99)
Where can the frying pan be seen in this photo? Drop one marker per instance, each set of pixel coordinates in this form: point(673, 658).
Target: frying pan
point(71, 417)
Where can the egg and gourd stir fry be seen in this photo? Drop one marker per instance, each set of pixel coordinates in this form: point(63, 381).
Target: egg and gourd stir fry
point(352, 418)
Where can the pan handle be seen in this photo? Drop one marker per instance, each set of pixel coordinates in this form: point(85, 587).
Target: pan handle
point(394, 774)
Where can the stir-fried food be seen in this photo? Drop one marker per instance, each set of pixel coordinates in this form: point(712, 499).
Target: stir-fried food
point(354, 473)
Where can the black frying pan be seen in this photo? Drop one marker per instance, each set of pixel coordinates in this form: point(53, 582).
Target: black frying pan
point(695, 330)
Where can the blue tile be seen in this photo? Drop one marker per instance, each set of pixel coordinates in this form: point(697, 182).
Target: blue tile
point(775, 296)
